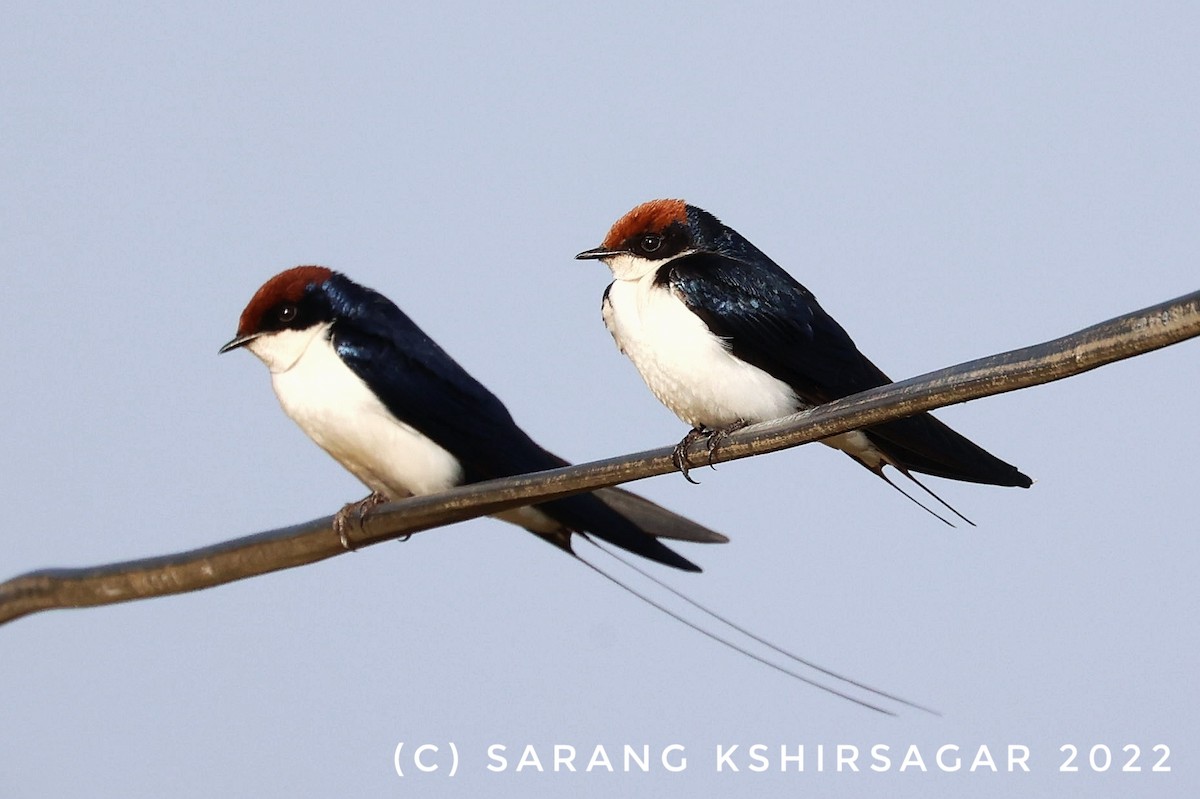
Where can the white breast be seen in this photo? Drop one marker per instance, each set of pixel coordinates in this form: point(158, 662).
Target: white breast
point(336, 409)
point(690, 370)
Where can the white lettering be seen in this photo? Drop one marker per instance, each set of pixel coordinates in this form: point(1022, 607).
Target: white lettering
point(529, 758)
point(913, 758)
point(955, 764)
point(676, 766)
point(983, 758)
point(599, 758)
point(564, 755)
point(419, 763)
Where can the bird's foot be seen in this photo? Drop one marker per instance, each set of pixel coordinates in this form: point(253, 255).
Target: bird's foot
point(357, 509)
point(679, 454)
point(717, 437)
point(713, 437)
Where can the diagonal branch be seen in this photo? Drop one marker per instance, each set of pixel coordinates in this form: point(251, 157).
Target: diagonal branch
point(1123, 337)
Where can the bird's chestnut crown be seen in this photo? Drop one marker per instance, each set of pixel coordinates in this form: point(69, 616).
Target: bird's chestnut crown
point(654, 230)
point(285, 302)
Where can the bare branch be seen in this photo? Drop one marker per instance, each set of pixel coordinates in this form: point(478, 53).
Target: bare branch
point(1132, 334)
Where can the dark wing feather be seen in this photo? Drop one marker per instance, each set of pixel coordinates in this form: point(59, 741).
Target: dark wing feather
point(771, 321)
point(426, 388)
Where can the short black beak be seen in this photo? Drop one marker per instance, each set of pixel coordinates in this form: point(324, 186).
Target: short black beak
point(240, 341)
point(597, 252)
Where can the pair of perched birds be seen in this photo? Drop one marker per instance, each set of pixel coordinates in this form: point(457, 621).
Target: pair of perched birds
point(721, 334)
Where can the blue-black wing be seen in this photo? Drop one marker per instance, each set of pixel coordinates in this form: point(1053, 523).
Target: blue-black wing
point(770, 320)
point(427, 389)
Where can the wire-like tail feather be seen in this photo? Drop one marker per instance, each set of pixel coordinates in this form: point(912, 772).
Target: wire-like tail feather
point(747, 633)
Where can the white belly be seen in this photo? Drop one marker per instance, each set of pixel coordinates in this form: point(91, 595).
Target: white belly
point(693, 373)
point(689, 369)
point(337, 410)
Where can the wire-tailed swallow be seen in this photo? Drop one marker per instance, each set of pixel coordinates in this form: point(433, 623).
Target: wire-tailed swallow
point(371, 389)
point(725, 337)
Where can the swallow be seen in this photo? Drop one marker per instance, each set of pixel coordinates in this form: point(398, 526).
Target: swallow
point(725, 337)
point(365, 383)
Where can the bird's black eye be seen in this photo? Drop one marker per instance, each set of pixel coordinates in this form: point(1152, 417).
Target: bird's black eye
point(287, 312)
point(650, 243)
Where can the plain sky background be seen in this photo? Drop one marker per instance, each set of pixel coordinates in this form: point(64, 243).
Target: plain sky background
point(951, 180)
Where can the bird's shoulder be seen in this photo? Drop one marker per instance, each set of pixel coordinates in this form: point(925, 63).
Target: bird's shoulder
point(767, 318)
point(389, 351)
point(731, 291)
point(427, 389)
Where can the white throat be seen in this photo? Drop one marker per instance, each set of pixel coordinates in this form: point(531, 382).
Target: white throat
point(626, 266)
point(281, 350)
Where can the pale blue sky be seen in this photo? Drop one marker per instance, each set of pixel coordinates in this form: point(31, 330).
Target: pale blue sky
point(951, 181)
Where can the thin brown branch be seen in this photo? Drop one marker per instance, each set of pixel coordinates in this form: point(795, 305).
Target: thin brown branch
point(1123, 337)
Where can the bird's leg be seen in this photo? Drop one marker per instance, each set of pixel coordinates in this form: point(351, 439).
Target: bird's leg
point(679, 455)
point(718, 436)
point(360, 508)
